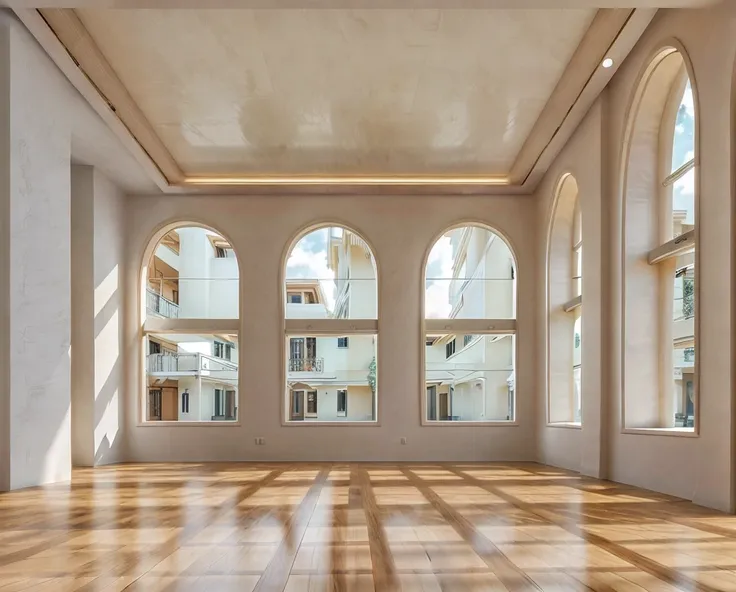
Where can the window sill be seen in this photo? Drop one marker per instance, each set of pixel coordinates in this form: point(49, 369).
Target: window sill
point(189, 424)
point(676, 432)
point(483, 424)
point(308, 423)
point(569, 425)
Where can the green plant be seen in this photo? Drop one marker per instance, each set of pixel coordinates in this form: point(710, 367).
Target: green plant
point(688, 297)
point(372, 375)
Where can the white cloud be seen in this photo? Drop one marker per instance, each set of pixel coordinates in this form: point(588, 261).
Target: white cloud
point(308, 260)
point(439, 273)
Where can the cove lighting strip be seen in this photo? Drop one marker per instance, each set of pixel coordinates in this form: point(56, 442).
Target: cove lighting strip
point(308, 180)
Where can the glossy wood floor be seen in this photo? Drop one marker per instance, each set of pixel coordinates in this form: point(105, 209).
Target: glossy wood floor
point(428, 527)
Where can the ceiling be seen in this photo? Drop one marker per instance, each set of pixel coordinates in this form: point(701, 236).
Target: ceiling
point(339, 92)
point(221, 98)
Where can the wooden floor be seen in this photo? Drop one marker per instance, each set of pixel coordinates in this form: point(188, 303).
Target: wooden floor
point(357, 527)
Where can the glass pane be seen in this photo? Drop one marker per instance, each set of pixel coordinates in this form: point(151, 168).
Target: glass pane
point(683, 145)
point(330, 382)
point(577, 367)
point(470, 275)
point(683, 204)
point(331, 273)
point(683, 342)
point(474, 381)
point(191, 377)
point(193, 274)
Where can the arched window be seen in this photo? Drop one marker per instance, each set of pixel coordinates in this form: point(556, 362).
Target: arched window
point(565, 305)
point(191, 367)
point(331, 328)
point(470, 311)
point(660, 273)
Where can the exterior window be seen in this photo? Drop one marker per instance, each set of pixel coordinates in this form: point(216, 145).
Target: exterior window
point(192, 273)
point(333, 272)
point(660, 307)
point(224, 405)
point(342, 402)
point(469, 298)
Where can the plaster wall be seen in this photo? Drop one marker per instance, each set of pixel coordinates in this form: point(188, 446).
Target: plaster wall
point(36, 300)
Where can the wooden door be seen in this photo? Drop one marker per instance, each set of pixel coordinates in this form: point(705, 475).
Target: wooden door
point(297, 405)
point(444, 406)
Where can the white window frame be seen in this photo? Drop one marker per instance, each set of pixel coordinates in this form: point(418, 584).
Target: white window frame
point(670, 247)
point(460, 327)
point(155, 325)
point(332, 327)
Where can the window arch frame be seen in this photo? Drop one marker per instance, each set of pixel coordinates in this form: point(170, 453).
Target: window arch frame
point(572, 307)
point(329, 327)
point(669, 249)
point(153, 325)
point(497, 326)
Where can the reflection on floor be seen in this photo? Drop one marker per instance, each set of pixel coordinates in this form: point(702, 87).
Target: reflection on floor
point(428, 527)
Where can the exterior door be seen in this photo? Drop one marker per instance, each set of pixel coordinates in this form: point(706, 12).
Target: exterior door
point(154, 404)
point(296, 354)
point(444, 406)
point(432, 403)
point(297, 405)
point(230, 409)
point(311, 404)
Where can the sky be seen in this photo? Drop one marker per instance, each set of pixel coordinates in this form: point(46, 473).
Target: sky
point(308, 260)
point(439, 267)
point(684, 188)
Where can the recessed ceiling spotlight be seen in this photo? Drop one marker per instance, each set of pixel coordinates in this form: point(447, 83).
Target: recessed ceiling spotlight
point(607, 63)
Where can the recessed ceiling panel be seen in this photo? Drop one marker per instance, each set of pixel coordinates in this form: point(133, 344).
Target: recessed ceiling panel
point(340, 92)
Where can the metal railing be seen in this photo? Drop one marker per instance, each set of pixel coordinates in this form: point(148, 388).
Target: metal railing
point(159, 305)
point(170, 362)
point(306, 365)
point(189, 362)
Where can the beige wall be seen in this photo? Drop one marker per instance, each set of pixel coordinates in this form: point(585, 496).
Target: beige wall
point(699, 468)
point(401, 229)
point(578, 449)
point(97, 298)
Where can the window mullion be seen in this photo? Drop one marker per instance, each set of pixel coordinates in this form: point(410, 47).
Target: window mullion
point(679, 173)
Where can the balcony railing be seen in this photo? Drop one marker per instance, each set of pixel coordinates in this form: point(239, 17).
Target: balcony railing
point(306, 365)
point(190, 362)
point(173, 362)
point(159, 305)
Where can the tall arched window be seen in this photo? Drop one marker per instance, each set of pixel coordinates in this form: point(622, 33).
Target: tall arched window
point(660, 271)
point(331, 328)
point(191, 372)
point(565, 305)
point(470, 326)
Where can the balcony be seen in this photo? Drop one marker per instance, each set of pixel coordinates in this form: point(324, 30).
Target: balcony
point(315, 365)
point(157, 304)
point(192, 364)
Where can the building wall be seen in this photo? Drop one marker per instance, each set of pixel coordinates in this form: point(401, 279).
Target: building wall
point(360, 401)
point(699, 468)
point(383, 222)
